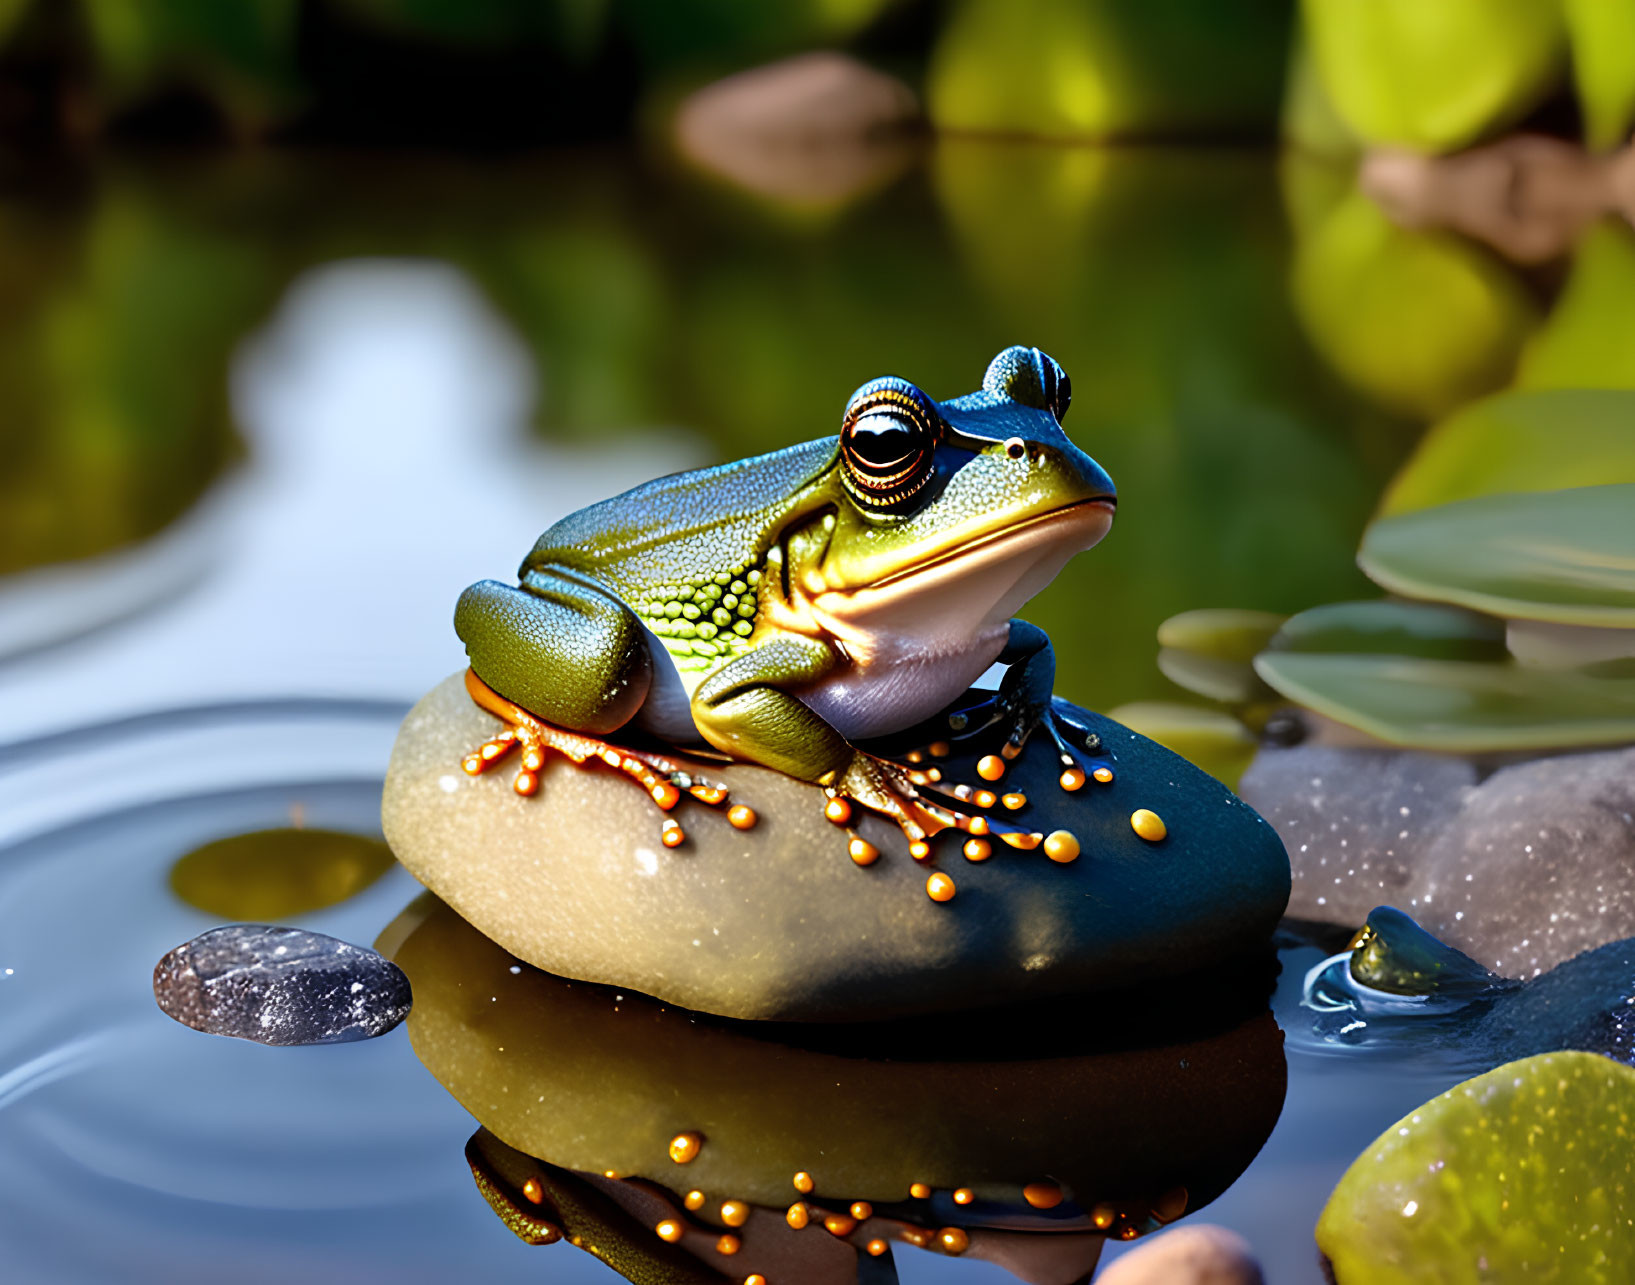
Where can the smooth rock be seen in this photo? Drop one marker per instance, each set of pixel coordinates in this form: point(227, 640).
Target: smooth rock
point(1588, 1004)
point(1522, 872)
point(1355, 822)
point(1197, 1255)
point(280, 986)
point(777, 922)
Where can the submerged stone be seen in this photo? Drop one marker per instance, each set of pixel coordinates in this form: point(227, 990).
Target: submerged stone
point(778, 922)
point(280, 986)
point(1523, 1174)
point(278, 874)
point(1529, 868)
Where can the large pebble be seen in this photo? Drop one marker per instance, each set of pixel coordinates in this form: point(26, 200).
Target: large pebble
point(777, 922)
point(280, 986)
point(1198, 1255)
point(1523, 871)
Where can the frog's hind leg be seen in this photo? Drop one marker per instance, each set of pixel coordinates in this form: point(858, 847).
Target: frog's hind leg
point(663, 780)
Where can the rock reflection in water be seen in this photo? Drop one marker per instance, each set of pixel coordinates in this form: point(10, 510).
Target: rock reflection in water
point(1024, 1137)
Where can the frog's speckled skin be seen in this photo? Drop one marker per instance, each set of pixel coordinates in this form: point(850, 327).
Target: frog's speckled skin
point(783, 606)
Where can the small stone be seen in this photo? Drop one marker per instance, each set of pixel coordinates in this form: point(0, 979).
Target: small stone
point(280, 986)
point(1199, 1255)
point(1526, 870)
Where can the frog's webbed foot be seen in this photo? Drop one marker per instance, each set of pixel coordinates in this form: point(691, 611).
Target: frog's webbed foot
point(664, 781)
point(1078, 749)
point(891, 789)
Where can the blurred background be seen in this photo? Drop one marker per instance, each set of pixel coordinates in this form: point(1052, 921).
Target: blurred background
point(313, 312)
point(300, 290)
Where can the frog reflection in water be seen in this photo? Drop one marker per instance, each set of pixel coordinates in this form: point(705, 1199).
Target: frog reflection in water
point(785, 607)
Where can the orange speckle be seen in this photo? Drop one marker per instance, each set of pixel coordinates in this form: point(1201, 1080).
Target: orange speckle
point(1061, 846)
point(1010, 749)
point(1026, 842)
point(740, 817)
point(877, 1247)
point(1103, 774)
point(1042, 1195)
point(669, 1231)
point(755, 1278)
point(728, 1244)
point(1102, 1216)
point(953, 1240)
point(666, 795)
point(684, 1147)
point(861, 1210)
point(863, 852)
point(534, 1192)
point(984, 798)
point(694, 1200)
point(735, 1213)
point(915, 1237)
point(800, 1213)
point(526, 783)
point(919, 1190)
point(1128, 1232)
point(1071, 780)
point(939, 749)
point(915, 756)
point(671, 835)
point(979, 825)
point(1014, 801)
point(978, 849)
point(919, 849)
point(939, 887)
point(803, 1182)
point(963, 1195)
point(839, 1225)
point(1148, 824)
point(838, 810)
point(990, 767)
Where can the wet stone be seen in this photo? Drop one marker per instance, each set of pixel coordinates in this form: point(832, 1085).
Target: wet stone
point(1529, 868)
point(1355, 822)
point(280, 986)
point(779, 922)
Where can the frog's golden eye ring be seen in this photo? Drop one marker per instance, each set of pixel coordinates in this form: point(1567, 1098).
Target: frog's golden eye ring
point(888, 443)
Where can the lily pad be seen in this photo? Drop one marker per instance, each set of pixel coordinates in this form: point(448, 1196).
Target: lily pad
point(1545, 440)
point(1603, 43)
point(1526, 1173)
point(272, 875)
point(1434, 77)
point(1457, 706)
point(1231, 682)
point(1428, 630)
point(1207, 738)
point(1226, 633)
point(1564, 556)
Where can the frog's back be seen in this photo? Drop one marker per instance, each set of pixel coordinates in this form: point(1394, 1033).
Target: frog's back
point(686, 525)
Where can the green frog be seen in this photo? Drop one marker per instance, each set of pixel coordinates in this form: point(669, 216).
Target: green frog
point(786, 608)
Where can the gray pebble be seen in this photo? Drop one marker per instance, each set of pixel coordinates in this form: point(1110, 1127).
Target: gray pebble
point(281, 986)
point(1529, 868)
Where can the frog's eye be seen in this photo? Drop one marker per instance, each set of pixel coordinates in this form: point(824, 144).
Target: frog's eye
point(888, 443)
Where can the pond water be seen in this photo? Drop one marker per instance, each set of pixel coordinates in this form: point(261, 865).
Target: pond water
point(269, 416)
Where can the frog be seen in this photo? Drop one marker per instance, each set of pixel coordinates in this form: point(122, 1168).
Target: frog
point(793, 608)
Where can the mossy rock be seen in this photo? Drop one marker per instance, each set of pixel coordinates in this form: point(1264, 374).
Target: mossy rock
point(1566, 557)
point(1525, 1174)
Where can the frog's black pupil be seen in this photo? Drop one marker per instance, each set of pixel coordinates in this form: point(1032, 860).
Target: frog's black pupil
point(881, 440)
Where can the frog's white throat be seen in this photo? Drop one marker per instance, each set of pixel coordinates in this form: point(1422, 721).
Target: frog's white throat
point(918, 640)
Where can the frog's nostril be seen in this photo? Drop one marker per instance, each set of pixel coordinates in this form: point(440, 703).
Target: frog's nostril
point(1015, 447)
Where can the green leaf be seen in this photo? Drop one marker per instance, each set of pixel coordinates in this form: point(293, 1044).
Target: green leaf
point(1428, 630)
point(1435, 77)
point(1526, 1173)
point(1532, 441)
point(1421, 322)
point(1563, 556)
point(1226, 633)
point(1588, 341)
point(1457, 706)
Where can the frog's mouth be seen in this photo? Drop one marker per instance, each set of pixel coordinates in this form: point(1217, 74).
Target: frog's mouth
point(1095, 515)
point(973, 584)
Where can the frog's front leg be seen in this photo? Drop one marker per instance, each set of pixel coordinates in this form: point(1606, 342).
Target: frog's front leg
point(1023, 704)
point(561, 663)
point(748, 709)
